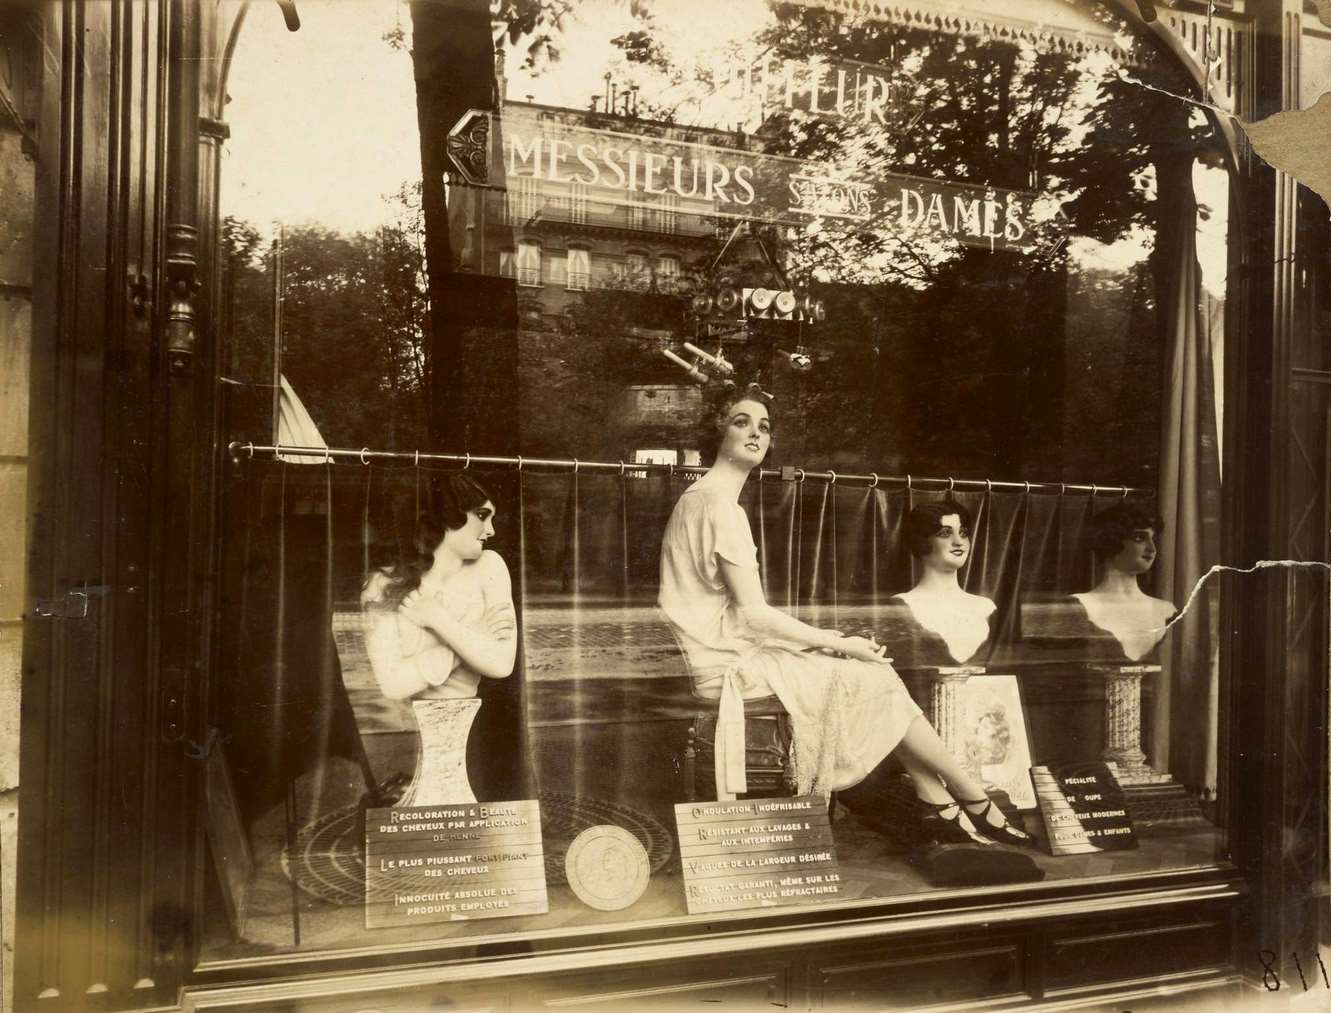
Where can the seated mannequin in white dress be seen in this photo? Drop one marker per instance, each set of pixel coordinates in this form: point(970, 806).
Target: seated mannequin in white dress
point(939, 536)
point(1123, 539)
point(849, 708)
point(438, 622)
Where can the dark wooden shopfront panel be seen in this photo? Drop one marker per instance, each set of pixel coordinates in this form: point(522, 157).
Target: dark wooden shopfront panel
point(104, 900)
point(888, 975)
point(739, 981)
point(1171, 949)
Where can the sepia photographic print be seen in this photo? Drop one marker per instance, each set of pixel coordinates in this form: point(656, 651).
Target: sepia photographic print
point(776, 504)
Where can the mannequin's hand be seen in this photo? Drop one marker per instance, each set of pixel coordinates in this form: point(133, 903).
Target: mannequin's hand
point(863, 649)
point(426, 612)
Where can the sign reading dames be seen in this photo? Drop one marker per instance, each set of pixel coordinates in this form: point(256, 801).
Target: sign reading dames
point(553, 151)
point(453, 862)
point(1083, 808)
point(766, 852)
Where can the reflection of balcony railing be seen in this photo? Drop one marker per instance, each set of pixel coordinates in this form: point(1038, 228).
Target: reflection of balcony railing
point(529, 276)
point(579, 281)
point(667, 283)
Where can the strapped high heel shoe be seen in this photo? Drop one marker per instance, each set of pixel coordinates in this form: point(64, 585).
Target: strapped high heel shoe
point(1004, 831)
point(949, 829)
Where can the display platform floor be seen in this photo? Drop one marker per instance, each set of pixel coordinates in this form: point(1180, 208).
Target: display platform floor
point(624, 761)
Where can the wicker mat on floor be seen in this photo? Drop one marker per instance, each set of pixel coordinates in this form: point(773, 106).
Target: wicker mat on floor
point(331, 850)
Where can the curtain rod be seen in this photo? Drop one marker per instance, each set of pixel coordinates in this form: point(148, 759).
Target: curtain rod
point(365, 455)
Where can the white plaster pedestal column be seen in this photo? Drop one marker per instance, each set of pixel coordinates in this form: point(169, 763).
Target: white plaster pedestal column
point(947, 709)
point(441, 764)
point(1123, 724)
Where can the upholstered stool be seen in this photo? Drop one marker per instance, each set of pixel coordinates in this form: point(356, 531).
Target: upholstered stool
point(767, 736)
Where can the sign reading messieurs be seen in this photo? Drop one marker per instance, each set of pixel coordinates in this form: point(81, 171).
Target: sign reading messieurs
point(642, 170)
point(766, 852)
point(453, 862)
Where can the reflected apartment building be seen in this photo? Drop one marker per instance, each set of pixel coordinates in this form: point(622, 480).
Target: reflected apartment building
point(566, 228)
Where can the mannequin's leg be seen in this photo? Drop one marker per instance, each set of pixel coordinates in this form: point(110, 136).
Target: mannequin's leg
point(926, 759)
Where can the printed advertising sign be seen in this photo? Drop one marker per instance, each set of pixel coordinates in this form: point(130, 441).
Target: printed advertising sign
point(753, 853)
point(453, 862)
point(559, 156)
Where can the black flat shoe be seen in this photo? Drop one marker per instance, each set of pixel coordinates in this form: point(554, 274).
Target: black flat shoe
point(942, 829)
point(1004, 831)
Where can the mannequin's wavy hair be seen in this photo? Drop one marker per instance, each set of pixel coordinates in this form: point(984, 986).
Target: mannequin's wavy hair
point(923, 520)
point(446, 502)
point(1109, 529)
point(714, 414)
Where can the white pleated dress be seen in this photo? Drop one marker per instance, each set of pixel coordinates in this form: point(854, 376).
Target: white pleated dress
point(846, 715)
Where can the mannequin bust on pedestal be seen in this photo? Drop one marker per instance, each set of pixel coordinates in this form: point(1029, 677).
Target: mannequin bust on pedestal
point(939, 536)
point(1123, 539)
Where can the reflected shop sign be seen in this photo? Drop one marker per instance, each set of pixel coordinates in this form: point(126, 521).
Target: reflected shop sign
point(651, 172)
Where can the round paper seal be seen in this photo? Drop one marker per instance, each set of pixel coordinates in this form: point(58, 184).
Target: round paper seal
point(607, 867)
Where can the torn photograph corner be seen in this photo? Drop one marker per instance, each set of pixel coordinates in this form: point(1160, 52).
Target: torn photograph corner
point(1298, 143)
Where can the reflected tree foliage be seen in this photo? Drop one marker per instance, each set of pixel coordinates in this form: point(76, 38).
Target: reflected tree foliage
point(353, 325)
point(1040, 362)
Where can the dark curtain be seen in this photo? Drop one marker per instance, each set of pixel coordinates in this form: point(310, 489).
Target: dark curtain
point(600, 702)
point(302, 539)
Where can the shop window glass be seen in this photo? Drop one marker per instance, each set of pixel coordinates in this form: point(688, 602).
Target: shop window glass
point(579, 268)
point(577, 202)
point(656, 455)
point(635, 271)
point(525, 199)
point(667, 273)
point(970, 270)
point(668, 215)
point(529, 264)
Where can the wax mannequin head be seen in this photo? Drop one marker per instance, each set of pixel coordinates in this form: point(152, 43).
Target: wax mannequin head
point(939, 535)
point(1123, 538)
point(735, 425)
point(455, 516)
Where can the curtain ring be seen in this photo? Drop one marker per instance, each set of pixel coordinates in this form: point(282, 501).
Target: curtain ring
point(466, 463)
point(363, 452)
point(1062, 489)
point(908, 483)
point(416, 458)
point(327, 455)
point(1094, 490)
point(988, 485)
point(874, 476)
point(951, 483)
point(621, 469)
point(519, 462)
point(250, 447)
point(832, 480)
point(1028, 488)
point(575, 465)
point(800, 480)
point(1123, 491)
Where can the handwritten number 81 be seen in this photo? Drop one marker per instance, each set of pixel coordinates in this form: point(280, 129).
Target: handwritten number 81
point(1271, 977)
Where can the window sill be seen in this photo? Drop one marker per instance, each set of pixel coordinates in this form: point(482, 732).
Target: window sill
point(740, 933)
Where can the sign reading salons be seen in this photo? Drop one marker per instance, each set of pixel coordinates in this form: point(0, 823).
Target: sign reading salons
point(550, 149)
